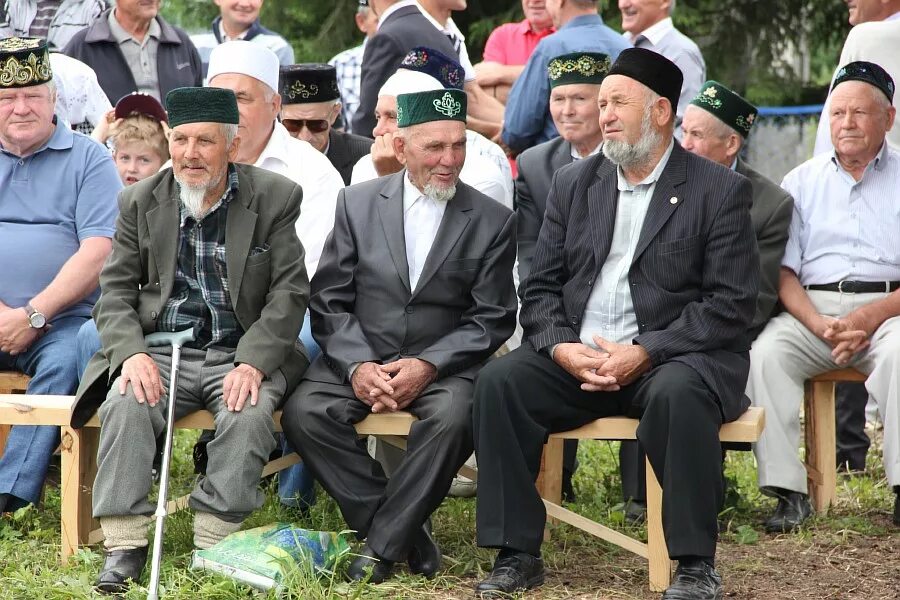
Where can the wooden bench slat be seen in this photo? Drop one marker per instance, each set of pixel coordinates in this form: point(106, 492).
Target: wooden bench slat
point(839, 375)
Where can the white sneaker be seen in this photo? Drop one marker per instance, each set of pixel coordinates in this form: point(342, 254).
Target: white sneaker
point(463, 487)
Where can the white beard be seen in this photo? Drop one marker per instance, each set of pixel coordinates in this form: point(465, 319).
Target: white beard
point(630, 156)
point(440, 194)
point(192, 197)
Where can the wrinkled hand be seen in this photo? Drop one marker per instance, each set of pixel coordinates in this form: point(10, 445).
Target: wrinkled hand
point(142, 373)
point(584, 363)
point(370, 385)
point(16, 333)
point(241, 381)
point(409, 378)
point(626, 362)
point(107, 127)
point(847, 338)
point(383, 156)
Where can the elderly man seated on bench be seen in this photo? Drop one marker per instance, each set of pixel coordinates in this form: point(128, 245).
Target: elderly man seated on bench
point(839, 277)
point(209, 245)
point(643, 285)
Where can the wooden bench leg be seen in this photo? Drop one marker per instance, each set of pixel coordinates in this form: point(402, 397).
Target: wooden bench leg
point(549, 481)
point(79, 467)
point(820, 443)
point(658, 552)
point(4, 434)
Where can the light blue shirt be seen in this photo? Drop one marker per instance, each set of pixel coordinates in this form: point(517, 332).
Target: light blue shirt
point(527, 120)
point(842, 228)
point(51, 201)
point(610, 310)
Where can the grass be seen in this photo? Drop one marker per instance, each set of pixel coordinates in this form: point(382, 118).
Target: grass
point(754, 564)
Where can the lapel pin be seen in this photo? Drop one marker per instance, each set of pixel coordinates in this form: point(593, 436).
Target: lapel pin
point(673, 200)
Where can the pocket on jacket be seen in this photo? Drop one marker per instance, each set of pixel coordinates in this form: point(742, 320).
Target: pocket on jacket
point(258, 258)
point(461, 264)
point(678, 245)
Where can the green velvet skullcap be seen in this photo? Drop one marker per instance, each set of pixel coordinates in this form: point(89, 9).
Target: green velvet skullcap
point(727, 106)
point(437, 105)
point(24, 62)
point(578, 67)
point(201, 105)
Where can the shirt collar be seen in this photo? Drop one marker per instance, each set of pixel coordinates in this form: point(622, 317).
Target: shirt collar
point(877, 163)
point(231, 189)
point(652, 178)
point(394, 8)
point(582, 21)
point(655, 32)
point(734, 164)
point(224, 36)
point(276, 148)
point(411, 193)
point(120, 35)
point(448, 28)
point(894, 17)
point(574, 153)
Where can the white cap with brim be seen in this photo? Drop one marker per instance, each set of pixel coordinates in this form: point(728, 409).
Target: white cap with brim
point(405, 81)
point(245, 58)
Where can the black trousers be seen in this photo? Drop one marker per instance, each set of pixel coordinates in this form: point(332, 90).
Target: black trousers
point(850, 413)
point(318, 420)
point(524, 396)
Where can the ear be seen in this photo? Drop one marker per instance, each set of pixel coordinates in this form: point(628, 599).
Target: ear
point(398, 143)
point(733, 145)
point(335, 111)
point(892, 114)
point(276, 102)
point(233, 150)
point(666, 112)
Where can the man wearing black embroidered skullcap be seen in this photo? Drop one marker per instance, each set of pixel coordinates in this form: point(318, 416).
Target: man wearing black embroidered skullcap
point(650, 322)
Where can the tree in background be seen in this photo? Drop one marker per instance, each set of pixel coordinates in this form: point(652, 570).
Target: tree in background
point(776, 52)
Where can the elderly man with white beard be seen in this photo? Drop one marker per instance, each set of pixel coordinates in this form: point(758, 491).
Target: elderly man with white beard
point(210, 245)
point(643, 284)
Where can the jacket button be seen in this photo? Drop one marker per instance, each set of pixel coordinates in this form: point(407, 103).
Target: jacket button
point(404, 350)
point(409, 310)
point(153, 315)
point(574, 320)
point(591, 281)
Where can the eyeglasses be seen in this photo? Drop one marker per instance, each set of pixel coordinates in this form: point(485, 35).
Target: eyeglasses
point(314, 125)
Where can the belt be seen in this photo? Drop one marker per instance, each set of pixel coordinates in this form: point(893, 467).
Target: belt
point(857, 287)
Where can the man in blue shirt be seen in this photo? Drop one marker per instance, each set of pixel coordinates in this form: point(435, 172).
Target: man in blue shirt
point(57, 218)
point(527, 120)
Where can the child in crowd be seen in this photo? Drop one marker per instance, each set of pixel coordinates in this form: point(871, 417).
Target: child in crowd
point(136, 132)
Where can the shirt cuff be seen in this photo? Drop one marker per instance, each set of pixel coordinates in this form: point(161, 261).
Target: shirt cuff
point(551, 350)
point(352, 369)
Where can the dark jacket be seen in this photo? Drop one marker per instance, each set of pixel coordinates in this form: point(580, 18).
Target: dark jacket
point(694, 278)
point(344, 149)
point(177, 61)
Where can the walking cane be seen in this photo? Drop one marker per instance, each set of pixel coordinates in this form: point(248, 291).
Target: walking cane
point(176, 340)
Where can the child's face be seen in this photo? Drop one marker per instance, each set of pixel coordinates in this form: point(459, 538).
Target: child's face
point(136, 161)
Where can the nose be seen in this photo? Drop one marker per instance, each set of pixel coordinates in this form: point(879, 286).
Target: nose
point(380, 127)
point(190, 149)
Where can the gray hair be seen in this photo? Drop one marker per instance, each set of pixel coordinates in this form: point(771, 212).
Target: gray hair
point(229, 130)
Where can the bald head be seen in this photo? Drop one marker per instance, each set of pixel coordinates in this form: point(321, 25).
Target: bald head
point(865, 11)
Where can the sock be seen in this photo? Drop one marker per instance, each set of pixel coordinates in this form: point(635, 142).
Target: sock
point(691, 560)
point(209, 529)
point(125, 532)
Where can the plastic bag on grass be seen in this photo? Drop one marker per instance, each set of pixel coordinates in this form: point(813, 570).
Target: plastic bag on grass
point(262, 557)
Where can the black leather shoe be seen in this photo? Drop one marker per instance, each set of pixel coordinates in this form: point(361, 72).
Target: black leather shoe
point(512, 572)
point(792, 510)
point(897, 509)
point(118, 567)
point(368, 562)
point(635, 512)
point(424, 555)
point(695, 580)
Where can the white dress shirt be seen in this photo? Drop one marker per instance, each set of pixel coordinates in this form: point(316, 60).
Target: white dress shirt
point(421, 219)
point(457, 40)
point(394, 8)
point(610, 310)
point(311, 170)
point(843, 228)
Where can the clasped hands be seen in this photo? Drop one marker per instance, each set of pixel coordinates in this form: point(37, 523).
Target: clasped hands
point(392, 386)
point(847, 336)
point(604, 369)
point(16, 333)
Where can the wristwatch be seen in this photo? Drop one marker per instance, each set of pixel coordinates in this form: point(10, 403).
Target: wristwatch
point(36, 319)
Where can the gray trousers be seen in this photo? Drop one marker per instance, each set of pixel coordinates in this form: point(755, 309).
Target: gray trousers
point(237, 455)
point(785, 354)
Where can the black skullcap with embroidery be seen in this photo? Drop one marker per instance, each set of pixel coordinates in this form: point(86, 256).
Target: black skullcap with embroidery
point(653, 70)
point(727, 106)
point(307, 83)
point(201, 105)
point(578, 67)
point(24, 62)
point(866, 72)
point(437, 64)
point(437, 105)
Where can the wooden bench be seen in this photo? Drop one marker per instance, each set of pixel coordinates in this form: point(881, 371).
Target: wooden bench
point(746, 429)
point(11, 382)
point(821, 439)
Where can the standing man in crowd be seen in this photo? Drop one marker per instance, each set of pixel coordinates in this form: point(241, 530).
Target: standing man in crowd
point(310, 103)
point(54, 20)
point(839, 278)
point(57, 217)
point(133, 49)
point(207, 244)
point(648, 24)
point(510, 46)
point(405, 326)
point(239, 20)
point(578, 29)
point(628, 310)
point(348, 65)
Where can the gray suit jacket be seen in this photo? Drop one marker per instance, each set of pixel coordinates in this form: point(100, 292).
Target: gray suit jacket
point(269, 289)
point(344, 149)
point(463, 307)
point(536, 167)
point(771, 214)
point(694, 278)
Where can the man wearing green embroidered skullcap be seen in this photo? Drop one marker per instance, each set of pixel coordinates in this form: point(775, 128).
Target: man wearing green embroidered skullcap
point(219, 254)
point(413, 294)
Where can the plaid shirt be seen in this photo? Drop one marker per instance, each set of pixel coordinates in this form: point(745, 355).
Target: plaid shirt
point(348, 65)
point(200, 292)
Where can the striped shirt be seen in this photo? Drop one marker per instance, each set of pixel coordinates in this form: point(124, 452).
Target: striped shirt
point(200, 295)
point(842, 228)
point(46, 10)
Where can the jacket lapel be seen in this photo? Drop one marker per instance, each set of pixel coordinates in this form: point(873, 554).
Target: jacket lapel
point(390, 211)
point(163, 224)
point(239, 227)
point(454, 222)
point(661, 205)
point(602, 199)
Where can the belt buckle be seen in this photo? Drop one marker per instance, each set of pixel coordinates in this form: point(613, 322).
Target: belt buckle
point(841, 287)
